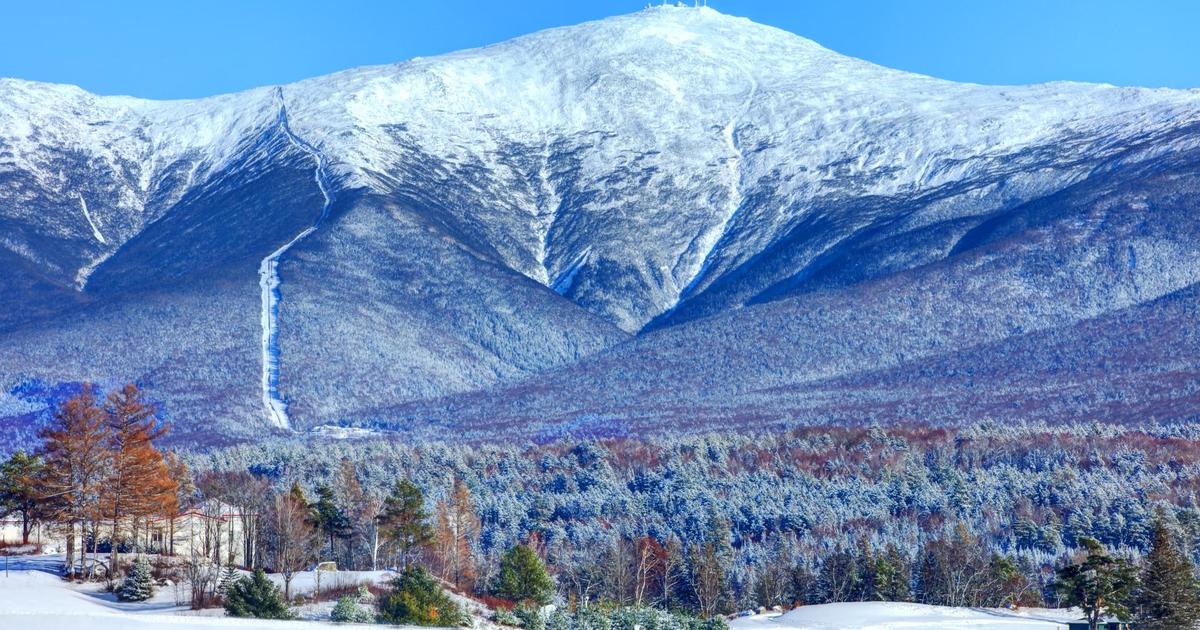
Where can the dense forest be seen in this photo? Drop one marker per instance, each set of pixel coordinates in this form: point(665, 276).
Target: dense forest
point(821, 504)
point(982, 515)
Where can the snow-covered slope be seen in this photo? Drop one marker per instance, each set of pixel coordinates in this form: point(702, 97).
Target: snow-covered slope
point(493, 214)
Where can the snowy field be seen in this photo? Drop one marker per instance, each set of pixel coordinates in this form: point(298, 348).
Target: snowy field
point(901, 616)
point(32, 597)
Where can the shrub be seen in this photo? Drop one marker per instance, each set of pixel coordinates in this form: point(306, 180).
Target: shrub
point(256, 596)
point(530, 617)
point(138, 585)
point(417, 599)
point(349, 610)
point(505, 617)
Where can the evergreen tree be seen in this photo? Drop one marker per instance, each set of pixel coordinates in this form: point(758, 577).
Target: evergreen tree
point(417, 599)
point(404, 522)
point(229, 577)
point(256, 596)
point(139, 584)
point(708, 565)
point(522, 577)
point(893, 577)
point(18, 490)
point(1098, 583)
point(1167, 597)
point(330, 519)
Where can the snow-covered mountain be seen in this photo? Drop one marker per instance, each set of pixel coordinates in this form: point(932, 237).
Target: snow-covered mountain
point(674, 214)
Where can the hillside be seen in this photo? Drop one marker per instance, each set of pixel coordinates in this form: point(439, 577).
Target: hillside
point(669, 220)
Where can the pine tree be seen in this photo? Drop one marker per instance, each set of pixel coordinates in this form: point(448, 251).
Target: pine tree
point(1167, 597)
point(416, 599)
point(404, 522)
point(18, 490)
point(330, 519)
point(229, 577)
point(256, 596)
point(350, 610)
point(522, 577)
point(893, 577)
point(1097, 583)
point(139, 584)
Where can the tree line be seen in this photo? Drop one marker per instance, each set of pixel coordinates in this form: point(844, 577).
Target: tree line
point(713, 524)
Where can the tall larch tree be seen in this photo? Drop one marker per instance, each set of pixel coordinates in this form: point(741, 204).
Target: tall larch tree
point(76, 457)
point(138, 484)
point(457, 526)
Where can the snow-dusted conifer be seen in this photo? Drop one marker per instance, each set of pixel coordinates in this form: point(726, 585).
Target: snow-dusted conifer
point(139, 584)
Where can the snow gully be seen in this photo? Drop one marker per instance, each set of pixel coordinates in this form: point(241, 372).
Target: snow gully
point(269, 282)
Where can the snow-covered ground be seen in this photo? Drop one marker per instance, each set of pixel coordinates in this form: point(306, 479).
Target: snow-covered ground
point(898, 616)
point(33, 597)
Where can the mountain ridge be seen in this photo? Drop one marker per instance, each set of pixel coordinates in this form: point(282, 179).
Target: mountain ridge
point(505, 212)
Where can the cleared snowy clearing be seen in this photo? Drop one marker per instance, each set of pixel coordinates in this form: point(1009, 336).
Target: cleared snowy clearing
point(33, 599)
point(898, 616)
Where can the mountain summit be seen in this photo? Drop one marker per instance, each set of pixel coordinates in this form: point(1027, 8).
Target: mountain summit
point(670, 219)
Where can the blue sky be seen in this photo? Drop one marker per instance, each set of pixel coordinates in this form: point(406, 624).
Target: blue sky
point(177, 48)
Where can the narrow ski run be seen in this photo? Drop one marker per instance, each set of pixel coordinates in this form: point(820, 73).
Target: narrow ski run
point(269, 282)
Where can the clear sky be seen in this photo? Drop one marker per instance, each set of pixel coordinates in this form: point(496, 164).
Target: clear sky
point(182, 48)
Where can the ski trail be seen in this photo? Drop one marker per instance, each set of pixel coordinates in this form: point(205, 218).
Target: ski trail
point(268, 281)
point(87, 215)
point(733, 174)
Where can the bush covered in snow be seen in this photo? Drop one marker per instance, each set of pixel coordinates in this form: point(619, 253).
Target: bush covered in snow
point(357, 607)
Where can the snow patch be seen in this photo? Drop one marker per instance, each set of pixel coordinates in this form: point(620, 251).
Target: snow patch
point(902, 615)
point(87, 215)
